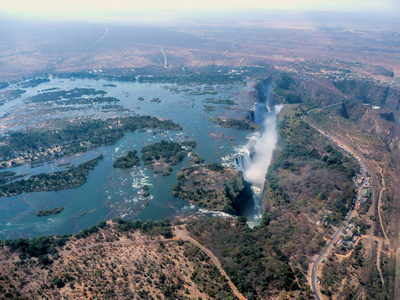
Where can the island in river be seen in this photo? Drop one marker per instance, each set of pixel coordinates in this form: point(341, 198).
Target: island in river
point(161, 157)
point(210, 186)
point(129, 160)
point(235, 123)
point(49, 212)
point(68, 179)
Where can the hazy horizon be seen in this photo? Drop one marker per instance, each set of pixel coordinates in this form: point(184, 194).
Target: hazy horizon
point(123, 9)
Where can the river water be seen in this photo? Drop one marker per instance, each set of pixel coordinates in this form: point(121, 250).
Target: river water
point(111, 192)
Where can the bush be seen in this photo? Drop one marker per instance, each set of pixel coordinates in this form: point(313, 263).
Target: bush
point(45, 260)
point(214, 167)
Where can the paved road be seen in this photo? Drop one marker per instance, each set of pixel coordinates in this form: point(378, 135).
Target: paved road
point(326, 249)
point(337, 233)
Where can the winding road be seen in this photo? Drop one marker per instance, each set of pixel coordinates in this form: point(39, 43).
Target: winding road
point(349, 214)
point(378, 190)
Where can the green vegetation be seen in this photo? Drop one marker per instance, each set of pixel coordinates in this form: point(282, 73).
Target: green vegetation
point(367, 91)
point(51, 89)
point(160, 157)
point(286, 88)
point(7, 176)
point(87, 101)
point(97, 265)
point(195, 158)
point(31, 145)
point(309, 167)
point(128, 161)
point(333, 273)
point(44, 245)
point(375, 288)
point(208, 108)
point(357, 267)
point(151, 227)
point(379, 70)
point(37, 247)
point(209, 75)
point(92, 229)
point(285, 82)
point(59, 95)
point(114, 107)
point(189, 144)
point(388, 116)
point(9, 95)
point(48, 212)
point(73, 96)
point(210, 186)
point(206, 275)
point(235, 123)
point(33, 82)
point(361, 225)
point(219, 101)
point(309, 179)
point(203, 92)
point(253, 258)
point(68, 179)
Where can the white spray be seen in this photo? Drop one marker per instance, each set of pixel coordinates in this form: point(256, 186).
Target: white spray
point(262, 146)
point(254, 159)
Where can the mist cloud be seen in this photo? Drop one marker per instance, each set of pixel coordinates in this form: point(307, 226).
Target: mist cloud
point(263, 145)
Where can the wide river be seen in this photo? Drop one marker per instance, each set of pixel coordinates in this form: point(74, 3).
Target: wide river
point(111, 192)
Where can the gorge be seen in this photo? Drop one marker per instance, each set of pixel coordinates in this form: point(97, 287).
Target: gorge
point(254, 158)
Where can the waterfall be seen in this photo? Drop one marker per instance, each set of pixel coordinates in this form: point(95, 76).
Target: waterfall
point(254, 159)
point(243, 160)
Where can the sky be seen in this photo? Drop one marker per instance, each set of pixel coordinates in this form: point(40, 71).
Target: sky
point(80, 9)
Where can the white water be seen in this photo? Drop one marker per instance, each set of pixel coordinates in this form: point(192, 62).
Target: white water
point(262, 146)
point(254, 159)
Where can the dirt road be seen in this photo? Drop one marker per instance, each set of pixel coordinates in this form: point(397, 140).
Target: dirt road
point(181, 234)
point(184, 236)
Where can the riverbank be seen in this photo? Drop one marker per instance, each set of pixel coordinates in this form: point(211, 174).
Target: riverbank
point(69, 179)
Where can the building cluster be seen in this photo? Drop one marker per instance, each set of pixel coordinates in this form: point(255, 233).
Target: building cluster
point(362, 182)
point(347, 237)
